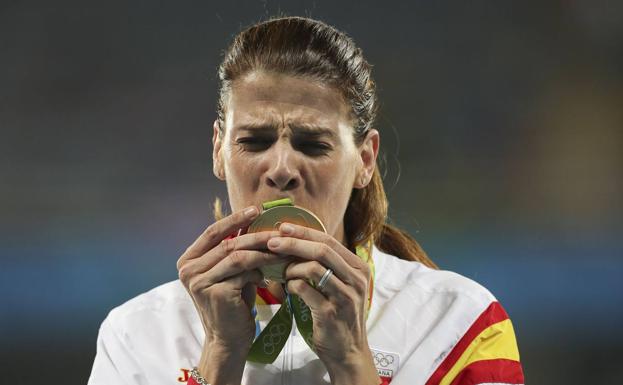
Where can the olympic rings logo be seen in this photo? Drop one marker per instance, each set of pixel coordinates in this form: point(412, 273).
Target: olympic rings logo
point(273, 339)
point(383, 360)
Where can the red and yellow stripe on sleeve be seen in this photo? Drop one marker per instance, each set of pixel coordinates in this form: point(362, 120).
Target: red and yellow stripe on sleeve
point(487, 353)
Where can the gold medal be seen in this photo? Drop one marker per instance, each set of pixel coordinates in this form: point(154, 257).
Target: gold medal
point(270, 219)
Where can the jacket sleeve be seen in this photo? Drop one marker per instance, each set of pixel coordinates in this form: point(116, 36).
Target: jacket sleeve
point(487, 353)
point(114, 361)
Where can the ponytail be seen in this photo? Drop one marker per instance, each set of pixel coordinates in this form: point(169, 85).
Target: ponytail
point(366, 217)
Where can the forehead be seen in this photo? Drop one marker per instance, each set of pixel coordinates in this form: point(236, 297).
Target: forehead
point(280, 100)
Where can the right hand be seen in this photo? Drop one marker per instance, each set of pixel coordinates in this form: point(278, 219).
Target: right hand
point(221, 275)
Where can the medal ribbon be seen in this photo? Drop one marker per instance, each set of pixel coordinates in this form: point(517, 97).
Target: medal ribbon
point(271, 340)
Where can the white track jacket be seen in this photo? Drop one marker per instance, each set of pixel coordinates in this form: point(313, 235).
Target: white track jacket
point(425, 326)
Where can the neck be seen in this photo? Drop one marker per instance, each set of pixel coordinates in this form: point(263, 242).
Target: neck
point(340, 235)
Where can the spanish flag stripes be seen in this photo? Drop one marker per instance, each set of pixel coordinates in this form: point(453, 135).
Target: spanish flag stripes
point(487, 353)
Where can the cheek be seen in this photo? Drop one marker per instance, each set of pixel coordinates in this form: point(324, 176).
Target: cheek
point(241, 177)
point(237, 163)
point(341, 171)
point(244, 175)
point(336, 179)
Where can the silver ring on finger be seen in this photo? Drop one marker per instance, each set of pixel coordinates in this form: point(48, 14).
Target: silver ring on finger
point(323, 281)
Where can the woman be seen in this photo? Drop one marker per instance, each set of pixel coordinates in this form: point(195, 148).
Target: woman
point(296, 120)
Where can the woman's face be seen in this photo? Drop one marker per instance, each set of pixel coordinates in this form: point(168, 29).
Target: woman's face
point(291, 137)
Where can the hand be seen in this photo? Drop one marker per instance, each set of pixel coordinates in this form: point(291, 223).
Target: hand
point(221, 276)
point(339, 311)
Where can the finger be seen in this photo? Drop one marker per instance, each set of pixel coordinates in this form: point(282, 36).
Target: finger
point(253, 241)
point(312, 297)
point(335, 295)
point(219, 230)
point(239, 281)
point(313, 251)
point(233, 284)
point(307, 233)
point(313, 271)
point(244, 286)
point(240, 261)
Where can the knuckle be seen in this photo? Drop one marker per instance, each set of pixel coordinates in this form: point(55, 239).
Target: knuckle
point(329, 311)
point(329, 240)
point(290, 286)
point(237, 259)
point(304, 231)
point(299, 285)
point(258, 237)
point(285, 244)
point(211, 233)
point(180, 262)
point(320, 251)
point(228, 245)
point(288, 243)
point(194, 287)
point(360, 284)
point(288, 272)
point(316, 268)
point(184, 274)
point(237, 217)
point(261, 237)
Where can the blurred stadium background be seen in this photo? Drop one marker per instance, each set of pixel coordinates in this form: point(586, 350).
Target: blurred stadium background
point(502, 129)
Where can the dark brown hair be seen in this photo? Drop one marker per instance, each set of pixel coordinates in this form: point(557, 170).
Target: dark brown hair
point(311, 49)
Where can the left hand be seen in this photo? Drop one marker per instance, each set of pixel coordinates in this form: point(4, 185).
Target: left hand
point(339, 311)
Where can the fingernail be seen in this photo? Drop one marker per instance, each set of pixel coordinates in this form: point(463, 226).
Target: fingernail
point(250, 212)
point(273, 242)
point(287, 228)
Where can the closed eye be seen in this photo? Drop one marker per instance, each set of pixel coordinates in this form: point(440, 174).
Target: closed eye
point(307, 146)
point(313, 148)
point(255, 144)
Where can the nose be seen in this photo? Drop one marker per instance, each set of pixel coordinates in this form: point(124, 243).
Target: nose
point(283, 173)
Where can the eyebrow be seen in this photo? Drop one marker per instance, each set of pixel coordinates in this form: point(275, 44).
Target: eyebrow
point(304, 129)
